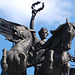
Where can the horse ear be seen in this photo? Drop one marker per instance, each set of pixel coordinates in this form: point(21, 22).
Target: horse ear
point(67, 21)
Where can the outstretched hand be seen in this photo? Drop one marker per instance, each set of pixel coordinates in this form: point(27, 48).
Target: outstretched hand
point(35, 11)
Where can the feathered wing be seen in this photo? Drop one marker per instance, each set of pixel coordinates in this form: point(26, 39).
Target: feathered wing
point(7, 29)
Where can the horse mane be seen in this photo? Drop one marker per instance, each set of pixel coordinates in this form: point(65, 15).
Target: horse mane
point(57, 30)
point(54, 34)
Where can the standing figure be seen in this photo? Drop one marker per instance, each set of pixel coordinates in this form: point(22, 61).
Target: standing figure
point(36, 52)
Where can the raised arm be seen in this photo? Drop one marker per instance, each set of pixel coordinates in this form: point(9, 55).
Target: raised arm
point(34, 12)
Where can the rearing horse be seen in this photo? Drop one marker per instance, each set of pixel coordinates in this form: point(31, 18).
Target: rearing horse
point(56, 57)
point(14, 61)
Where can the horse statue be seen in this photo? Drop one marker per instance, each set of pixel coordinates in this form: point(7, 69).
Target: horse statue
point(14, 61)
point(56, 47)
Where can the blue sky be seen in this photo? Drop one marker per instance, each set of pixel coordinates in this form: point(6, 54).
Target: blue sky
point(54, 14)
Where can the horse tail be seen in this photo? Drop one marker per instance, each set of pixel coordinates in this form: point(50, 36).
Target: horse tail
point(4, 64)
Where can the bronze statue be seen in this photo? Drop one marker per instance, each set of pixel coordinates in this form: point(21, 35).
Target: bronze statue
point(14, 61)
point(36, 51)
point(48, 57)
point(56, 58)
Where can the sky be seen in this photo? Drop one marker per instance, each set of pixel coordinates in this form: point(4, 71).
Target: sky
point(54, 14)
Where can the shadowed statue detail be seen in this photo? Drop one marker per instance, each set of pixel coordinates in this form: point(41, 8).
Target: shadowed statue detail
point(56, 57)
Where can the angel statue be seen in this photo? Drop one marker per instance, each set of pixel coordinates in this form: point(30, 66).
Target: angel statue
point(14, 61)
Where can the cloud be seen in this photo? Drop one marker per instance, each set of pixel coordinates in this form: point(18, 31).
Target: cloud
point(56, 11)
point(20, 11)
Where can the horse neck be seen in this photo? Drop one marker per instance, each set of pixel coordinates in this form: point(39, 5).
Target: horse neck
point(24, 44)
point(19, 46)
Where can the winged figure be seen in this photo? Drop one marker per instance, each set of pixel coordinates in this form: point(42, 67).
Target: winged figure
point(12, 31)
point(14, 61)
point(21, 36)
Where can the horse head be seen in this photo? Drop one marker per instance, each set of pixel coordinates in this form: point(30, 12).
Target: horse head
point(57, 45)
point(68, 34)
point(63, 36)
point(21, 31)
point(17, 56)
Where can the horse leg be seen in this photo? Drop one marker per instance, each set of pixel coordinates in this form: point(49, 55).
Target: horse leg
point(24, 73)
point(68, 70)
point(22, 65)
point(63, 73)
point(3, 73)
point(50, 60)
point(4, 64)
point(68, 73)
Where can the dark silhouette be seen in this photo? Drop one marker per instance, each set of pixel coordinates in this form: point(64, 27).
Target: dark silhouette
point(56, 58)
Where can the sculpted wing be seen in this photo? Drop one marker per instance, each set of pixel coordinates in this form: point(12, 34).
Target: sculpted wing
point(7, 29)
